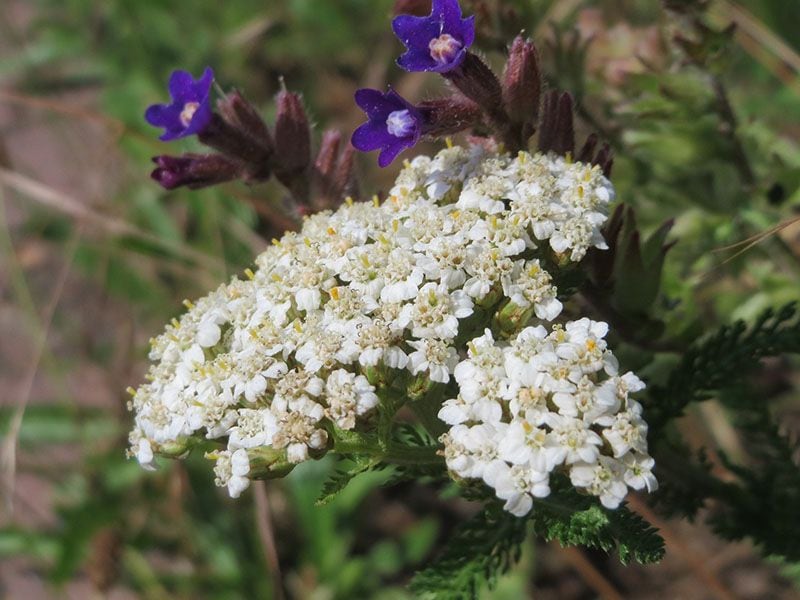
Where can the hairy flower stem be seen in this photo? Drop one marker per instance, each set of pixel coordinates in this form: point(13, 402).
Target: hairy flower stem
point(350, 442)
point(729, 129)
point(398, 454)
point(476, 81)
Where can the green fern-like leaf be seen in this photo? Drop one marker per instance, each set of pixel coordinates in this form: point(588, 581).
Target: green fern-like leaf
point(760, 503)
point(489, 544)
point(763, 505)
point(724, 359)
point(482, 549)
point(341, 478)
point(576, 520)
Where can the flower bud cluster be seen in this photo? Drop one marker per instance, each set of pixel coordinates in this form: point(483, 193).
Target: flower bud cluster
point(273, 364)
point(547, 403)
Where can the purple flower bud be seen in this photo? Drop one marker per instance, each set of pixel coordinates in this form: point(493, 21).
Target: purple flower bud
point(190, 110)
point(556, 130)
point(193, 170)
point(293, 144)
point(292, 133)
point(522, 85)
point(448, 116)
point(438, 42)
point(333, 170)
point(242, 115)
point(394, 124)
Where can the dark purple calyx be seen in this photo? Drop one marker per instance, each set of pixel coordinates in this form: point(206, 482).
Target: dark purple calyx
point(193, 170)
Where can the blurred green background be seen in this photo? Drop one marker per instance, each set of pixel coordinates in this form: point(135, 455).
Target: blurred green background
point(96, 257)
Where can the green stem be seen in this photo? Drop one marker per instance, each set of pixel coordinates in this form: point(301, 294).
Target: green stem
point(353, 442)
point(398, 454)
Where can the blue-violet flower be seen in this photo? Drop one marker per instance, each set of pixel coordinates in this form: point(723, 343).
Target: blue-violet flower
point(438, 42)
point(394, 124)
point(190, 110)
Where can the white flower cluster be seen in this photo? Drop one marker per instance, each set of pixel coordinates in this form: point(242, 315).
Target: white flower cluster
point(275, 360)
point(542, 403)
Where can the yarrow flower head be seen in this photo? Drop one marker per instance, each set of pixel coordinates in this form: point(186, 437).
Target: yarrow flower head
point(190, 110)
point(438, 42)
point(394, 124)
point(376, 301)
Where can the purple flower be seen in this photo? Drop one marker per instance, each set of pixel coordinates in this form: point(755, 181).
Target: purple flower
point(393, 125)
point(436, 43)
point(190, 110)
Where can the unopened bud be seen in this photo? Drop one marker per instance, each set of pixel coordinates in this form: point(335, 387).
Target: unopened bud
point(293, 143)
point(605, 159)
point(193, 170)
point(447, 116)
point(478, 83)
point(601, 262)
point(512, 318)
point(333, 171)
point(556, 132)
point(177, 448)
point(522, 84)
point(379, 375)
point(325, 164)
point(241, 114)
point(238, 144)
point(491, 298)
point(419, 387)
point(268, 463)
point(343, 182)
point(586, 153)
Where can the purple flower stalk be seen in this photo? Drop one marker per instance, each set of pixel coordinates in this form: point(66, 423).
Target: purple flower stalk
point(394, 124)
point(438, 42)
point(190, 111)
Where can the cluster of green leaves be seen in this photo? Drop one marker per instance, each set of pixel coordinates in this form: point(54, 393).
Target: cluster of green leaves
point(760, 503)
point(724, 359)
point(763, 506)
point(577, 520)
point(490, 543)
point(481, 550)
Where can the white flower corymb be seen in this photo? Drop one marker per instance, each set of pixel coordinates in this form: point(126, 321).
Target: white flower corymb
point(371, 293)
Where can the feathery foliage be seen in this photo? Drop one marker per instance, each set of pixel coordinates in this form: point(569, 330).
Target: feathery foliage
point(759, 504)
point(577, 520)
point(487, 546)
point(340, 478)
point(482, 549)
point(764, 507)
point(723, 359)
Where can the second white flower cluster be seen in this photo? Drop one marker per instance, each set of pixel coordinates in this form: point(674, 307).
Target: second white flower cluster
point(545, 403)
